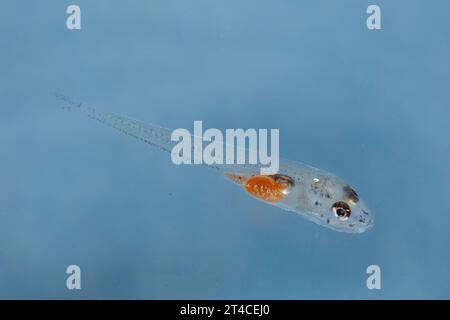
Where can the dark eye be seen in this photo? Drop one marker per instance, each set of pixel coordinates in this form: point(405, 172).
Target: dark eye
point(341, 210)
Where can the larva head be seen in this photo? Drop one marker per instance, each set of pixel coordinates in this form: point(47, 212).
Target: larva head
point(338, 206)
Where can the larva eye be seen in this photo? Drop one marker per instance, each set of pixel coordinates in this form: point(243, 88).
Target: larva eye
point(341, 210)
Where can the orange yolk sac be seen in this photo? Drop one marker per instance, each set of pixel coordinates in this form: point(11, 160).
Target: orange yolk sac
point(266, 188)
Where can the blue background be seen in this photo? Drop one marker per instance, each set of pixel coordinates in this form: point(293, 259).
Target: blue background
point(369, 106)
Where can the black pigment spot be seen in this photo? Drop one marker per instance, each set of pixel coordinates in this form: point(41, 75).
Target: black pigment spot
point(351, 194)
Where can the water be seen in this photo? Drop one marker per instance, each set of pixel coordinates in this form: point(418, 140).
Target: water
point(369, 106)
